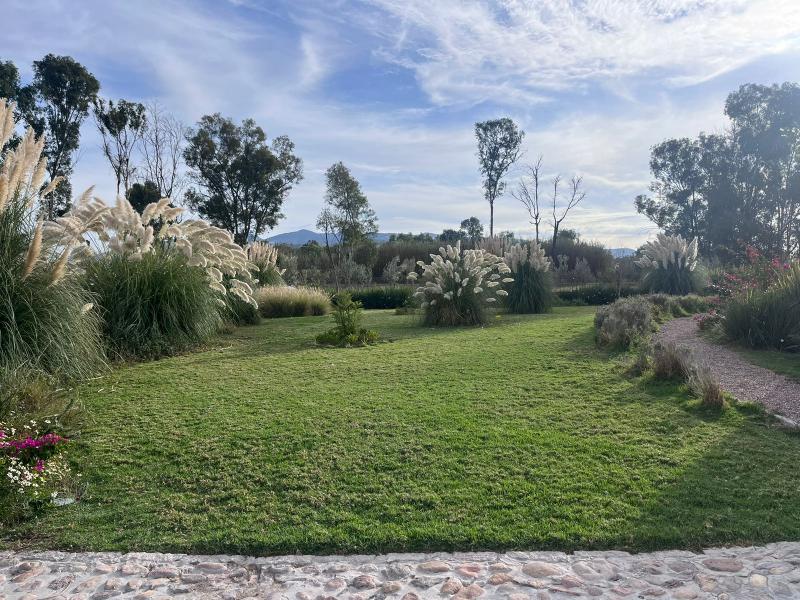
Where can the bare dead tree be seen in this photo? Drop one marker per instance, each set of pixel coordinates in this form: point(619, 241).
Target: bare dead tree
point(162, 149)
point(575, 198)
point(527, 193)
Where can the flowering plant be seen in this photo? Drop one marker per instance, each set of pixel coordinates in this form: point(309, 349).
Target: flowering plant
point(457, 285)
point(32, 460)
point(264, 257)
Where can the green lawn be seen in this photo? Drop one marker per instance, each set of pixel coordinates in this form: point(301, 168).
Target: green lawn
point(517, 435)
point(787, 363)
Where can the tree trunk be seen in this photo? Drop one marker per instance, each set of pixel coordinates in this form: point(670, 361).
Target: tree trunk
point(491, 218)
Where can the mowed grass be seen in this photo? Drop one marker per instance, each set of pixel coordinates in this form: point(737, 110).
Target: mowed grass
point(786, 363)
point(517, 435)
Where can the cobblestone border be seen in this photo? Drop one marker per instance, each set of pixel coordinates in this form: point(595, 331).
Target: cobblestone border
point(771, 571)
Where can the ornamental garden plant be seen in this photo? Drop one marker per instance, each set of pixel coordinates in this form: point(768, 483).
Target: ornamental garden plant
point(531, 290)
point(458, 285)
point(670, 266)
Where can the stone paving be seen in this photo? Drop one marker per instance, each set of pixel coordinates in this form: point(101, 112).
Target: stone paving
point(771, 571)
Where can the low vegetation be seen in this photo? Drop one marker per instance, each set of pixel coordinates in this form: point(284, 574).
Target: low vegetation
point(393, 296)
point(284, 301)
point(348, 316)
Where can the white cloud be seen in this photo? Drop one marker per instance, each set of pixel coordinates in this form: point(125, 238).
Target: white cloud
point(519, 50)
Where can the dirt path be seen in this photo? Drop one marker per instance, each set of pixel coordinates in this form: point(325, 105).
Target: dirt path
point(738, 377)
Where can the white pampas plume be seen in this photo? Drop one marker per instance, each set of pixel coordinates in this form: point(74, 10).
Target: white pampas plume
point(60, 268)
point(87, 307)
point(52, 185)
point(34, 250)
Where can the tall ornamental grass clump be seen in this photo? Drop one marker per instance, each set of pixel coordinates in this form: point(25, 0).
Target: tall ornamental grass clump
point(767, 318)
point(458, 285)
point(158, 291)
point(531, 291)
point(284, 301)
point(264, 257)
point(47, 323)
point(154, 306)
point(671, 266)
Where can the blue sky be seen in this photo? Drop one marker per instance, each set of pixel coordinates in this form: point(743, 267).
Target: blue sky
point(393, 87)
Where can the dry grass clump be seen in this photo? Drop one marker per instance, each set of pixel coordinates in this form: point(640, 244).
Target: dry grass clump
point(264, 256)
point(287, 301)
point(669, 361)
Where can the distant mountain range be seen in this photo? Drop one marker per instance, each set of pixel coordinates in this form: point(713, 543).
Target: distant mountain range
point(303, 236)
point(621, 252)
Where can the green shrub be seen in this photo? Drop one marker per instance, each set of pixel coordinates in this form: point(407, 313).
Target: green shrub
point(154, 306)
point(619, 324)
point(666, 360)
point(767, 319)
point(347, 315)
point(382, 297)
point(594, 295)
point(285, 301)
point(237, 312)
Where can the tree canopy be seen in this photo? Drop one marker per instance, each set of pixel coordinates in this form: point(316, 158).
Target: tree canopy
point(738, 188)
point(499, 147)
point(241, 181)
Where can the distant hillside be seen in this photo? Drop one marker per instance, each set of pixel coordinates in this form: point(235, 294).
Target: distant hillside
point(622, 252)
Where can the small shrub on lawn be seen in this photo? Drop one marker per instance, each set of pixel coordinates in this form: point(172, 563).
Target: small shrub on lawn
point(531, 290)
point(285, 301)
point(670, 264)
point(767, 319)
point(668, 361)
point(619, 324)
point(46, 319)
point(382, 297)
point(458, 284)
point(347, 315)
point(154, 306)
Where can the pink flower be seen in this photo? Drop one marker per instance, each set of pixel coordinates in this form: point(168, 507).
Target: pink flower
point(39, 466)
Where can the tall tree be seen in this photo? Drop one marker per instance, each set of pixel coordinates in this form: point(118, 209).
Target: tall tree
point(9, 80)
point(241, 181)
point(527, 193)
point(499, 147)
point(55, 104)
point(121, 126)
point(347, 219)
point(472, 228)
point(162, 150)
point(738, 188)
point(679, 204)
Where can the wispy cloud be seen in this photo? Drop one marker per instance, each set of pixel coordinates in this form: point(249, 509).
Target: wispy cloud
point(393, 87)
point(522, 49)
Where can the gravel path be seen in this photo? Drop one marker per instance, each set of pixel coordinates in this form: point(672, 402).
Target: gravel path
point(742, 379)
point(771, 571)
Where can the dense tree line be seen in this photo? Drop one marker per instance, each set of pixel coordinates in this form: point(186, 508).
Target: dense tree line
point(737, 188)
